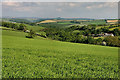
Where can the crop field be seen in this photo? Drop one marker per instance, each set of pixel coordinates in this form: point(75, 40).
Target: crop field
point(45, 58)
point(112, 21)
point(47, 21)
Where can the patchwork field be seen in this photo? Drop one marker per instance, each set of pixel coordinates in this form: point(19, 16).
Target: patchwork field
point(45, 58)
point(112, 21)
point(47, 21)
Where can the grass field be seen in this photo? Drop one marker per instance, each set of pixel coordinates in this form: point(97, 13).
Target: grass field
point(96, 22)
point(45, 58)
point(65, 23)
point(55, 25)
point(114, 28)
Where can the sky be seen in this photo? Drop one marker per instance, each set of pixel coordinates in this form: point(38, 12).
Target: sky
point(60, 9)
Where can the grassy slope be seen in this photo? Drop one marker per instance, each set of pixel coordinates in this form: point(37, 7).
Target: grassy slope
point(41, 57)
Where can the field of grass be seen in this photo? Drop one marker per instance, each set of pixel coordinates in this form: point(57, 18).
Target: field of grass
point(35, 28)
point(98, 27)
point(114, 28)
point(94, 22)
point(54, 25)
point(66, 22)
point(98, 37)
point(44, 58)
point(4, 28)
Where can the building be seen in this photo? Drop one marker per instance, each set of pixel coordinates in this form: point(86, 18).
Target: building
point(108, 34)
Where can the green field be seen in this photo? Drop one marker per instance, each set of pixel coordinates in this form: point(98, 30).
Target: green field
point(69, 23)
point(45, 58)
point(96, 22)
point(35, 28)
point(114, 28)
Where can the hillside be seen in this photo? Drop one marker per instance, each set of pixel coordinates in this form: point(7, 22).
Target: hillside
point(45, 58)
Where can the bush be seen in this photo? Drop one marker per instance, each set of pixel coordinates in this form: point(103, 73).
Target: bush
point(112, 41)
point(31, 34)
point(22, 27)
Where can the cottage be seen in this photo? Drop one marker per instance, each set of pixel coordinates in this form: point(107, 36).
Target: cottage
point(108, 34)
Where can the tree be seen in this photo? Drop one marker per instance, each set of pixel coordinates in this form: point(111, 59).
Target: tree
point(116, 32)
point(31, 34)
point(15, 26)
point(99, 41)
point(22, 27)
point(112, 41)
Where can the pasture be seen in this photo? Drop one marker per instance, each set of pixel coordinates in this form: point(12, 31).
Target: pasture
point(114, 28)
point(44, 58)
point(96, 22)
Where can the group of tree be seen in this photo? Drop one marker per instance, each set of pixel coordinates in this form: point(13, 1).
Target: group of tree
point(21, 27)
point(67, 34)
point(62, 35)
point(14, 25)
point(24, 21)
point(31, 34)
point(87, 30)
point(113, 41)
point(83, 36)
point(75, 21)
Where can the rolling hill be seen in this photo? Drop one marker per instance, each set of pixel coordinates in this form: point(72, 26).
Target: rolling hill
point(44, 58)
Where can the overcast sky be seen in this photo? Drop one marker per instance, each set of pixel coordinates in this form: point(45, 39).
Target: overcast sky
point(60, 9)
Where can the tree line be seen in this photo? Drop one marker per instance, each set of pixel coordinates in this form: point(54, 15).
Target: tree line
point(84, 36)
point(16, 26)
point(67, 34)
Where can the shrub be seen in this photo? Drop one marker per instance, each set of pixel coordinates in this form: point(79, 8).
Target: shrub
point(112, 41)
point(22, 27)
point(31, 34)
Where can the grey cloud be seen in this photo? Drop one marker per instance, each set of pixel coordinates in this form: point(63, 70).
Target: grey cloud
point(62, 9)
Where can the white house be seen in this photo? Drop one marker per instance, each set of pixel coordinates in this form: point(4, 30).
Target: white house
point(108, 34)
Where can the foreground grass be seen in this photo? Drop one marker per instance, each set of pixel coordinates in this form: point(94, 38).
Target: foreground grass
point(39, 57)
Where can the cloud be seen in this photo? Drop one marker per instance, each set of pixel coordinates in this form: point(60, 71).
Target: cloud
point(63, 9)
point(21, 9)
point(111, 4)
point(72, 4)
point(102, 5)
point(59, 9)
point(62, 0)
point(16, 4)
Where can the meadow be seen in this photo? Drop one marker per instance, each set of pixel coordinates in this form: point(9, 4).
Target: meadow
point(44, 58)
point(96, 22)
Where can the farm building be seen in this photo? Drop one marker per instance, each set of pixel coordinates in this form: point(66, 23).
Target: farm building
point(108, 34)
point(102, 35)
